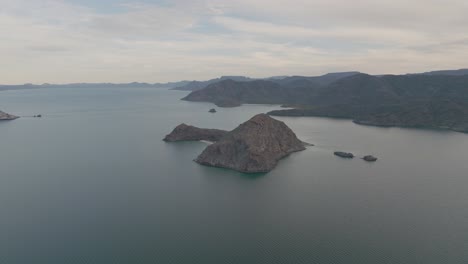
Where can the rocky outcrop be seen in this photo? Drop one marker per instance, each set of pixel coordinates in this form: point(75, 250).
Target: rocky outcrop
point(4, 116)
point(369, 158)
point(345, 155)
point(185, 132)
point(212, 110)
point(255, 146)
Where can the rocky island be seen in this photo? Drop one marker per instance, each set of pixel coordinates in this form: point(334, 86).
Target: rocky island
point(255, 146)
point(185, 132)
point(369, 158)
point(4, 116)
point(345, 155)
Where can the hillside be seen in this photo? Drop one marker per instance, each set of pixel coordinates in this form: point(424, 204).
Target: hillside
point(198, 85)
point(447, 72)
point(432, 101)
point(290, 81)
point(229, 93)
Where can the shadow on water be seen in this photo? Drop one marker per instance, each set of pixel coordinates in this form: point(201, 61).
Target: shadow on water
point(344, 120)
point(419, 129)
point(217, 171)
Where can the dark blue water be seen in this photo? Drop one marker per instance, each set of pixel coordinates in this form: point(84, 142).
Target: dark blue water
point(92, 182)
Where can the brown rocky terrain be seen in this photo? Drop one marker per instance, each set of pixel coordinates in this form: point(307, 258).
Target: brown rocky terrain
point(185, 132)
point(255, 146)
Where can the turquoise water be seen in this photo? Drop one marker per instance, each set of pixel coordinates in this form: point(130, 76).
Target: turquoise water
point(92, 182)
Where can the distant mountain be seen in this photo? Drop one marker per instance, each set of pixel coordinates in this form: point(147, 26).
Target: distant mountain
point(229, 93)
point(447, 72)
point(94, 85)
point(13, 87)
point(296, 81)
point(288, 90)
point(170, 85)
point(287, 81)
point(321, 80)
point(276, 77)
point(198, 85)
point(432, 101)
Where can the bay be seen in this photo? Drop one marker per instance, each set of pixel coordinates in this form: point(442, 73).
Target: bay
point(93, 182)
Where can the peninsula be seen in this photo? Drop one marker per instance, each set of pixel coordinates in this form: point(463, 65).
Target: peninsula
point(437, 100)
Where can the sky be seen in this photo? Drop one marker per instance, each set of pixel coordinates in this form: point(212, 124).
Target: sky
point(67, 41)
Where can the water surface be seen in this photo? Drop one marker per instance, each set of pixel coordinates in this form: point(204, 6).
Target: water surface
point(92, 182)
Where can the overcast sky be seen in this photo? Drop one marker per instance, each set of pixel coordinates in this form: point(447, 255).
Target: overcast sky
point(63, 41)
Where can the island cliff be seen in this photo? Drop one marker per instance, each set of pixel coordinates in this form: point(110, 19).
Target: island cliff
point(4, 116)
point(255, 146)
point(185, 132)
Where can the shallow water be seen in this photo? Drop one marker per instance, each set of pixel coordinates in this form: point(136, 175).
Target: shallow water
point(92, 182)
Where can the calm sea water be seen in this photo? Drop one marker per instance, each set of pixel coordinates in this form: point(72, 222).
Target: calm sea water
point(92, 182)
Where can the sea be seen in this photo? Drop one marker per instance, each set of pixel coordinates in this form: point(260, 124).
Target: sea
point(93, 182)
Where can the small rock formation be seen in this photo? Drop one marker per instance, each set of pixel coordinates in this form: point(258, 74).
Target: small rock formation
point(345, 155)
point(4, 116)
point(185, 132)
point(255, 146)
point(212, 110)
point(369, 158)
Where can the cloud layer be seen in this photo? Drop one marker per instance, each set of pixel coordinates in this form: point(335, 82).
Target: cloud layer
point(155, 41)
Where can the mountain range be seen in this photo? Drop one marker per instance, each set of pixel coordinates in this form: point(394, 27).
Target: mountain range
point(179, 85)
point(429, 100)
point(437, 99)
point(94, 85)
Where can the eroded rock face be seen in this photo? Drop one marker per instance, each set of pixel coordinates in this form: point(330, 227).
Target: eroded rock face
point(5, 116)
point(255, 146)
point(185, 132)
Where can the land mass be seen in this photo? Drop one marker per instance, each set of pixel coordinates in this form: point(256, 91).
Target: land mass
point(198, 85)
point(428, 100)
point(255, 146)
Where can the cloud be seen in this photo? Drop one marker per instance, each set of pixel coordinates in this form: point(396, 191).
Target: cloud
point(368, 34)
point(60, 41)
